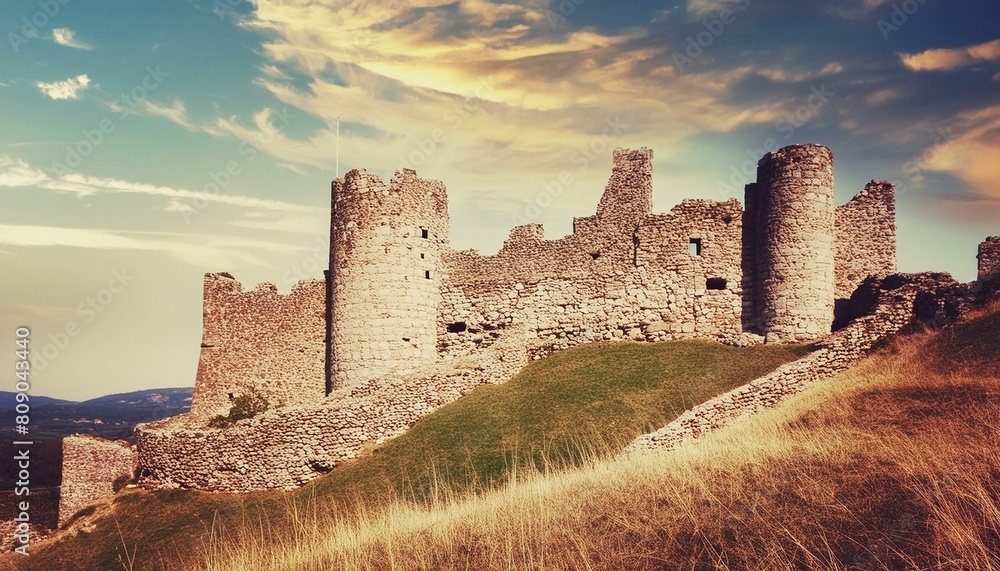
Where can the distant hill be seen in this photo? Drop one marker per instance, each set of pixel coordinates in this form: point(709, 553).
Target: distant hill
point(110, 416)
point(176, 397)
point(7, 400)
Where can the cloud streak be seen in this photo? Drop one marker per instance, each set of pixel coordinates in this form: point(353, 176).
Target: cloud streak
point(15, 173)
point(952, 59)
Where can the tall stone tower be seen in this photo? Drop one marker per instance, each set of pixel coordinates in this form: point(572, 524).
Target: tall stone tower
point(790, 220)
point(384, 279)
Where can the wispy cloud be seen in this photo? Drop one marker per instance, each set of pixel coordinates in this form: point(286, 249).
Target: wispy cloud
point(66, 37)
point(201, 250)
point(67, 89)
point(15, 172)
point(952, 59)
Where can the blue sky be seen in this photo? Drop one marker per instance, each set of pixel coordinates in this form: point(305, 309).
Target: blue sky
point(146, 143)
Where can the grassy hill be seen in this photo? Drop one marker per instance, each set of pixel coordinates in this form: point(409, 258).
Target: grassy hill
point(578, 404)
point(894, 464)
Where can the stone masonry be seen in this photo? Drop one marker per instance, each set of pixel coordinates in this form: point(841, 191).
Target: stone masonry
point(404, 324)
point(262, 340)
point(989, 262)
point(93, 468)
point(888, 306)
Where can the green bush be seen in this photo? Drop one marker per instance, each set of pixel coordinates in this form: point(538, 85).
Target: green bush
point(247, 405)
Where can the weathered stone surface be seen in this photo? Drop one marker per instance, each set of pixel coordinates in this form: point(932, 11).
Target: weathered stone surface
point(989, 263)
point(263, 340)
point(897, 301)
point(91, 467)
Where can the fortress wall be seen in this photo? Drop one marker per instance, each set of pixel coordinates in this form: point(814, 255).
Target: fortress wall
point(897, 301)
point(93, 469)
point(989, 261)
point(865, 237)
point(794, 247)
point(688, 262)
point(386, 244)
point(260, 339)
point(623, 273)
point(284, 449)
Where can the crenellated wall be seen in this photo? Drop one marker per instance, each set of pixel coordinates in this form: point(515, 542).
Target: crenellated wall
point(261, 339)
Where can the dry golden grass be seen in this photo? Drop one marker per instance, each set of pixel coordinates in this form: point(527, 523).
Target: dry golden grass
point(893, 465)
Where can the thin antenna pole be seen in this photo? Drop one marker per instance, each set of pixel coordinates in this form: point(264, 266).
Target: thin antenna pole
point(338, 146)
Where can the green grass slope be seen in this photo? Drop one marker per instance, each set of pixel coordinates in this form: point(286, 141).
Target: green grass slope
point(579, 402)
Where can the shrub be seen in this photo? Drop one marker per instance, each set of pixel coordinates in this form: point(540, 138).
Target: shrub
point(247, 405)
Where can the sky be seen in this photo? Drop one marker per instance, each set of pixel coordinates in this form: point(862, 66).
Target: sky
point(145, 143)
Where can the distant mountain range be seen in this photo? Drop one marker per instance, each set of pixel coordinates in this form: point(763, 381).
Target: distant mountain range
point(111, 416)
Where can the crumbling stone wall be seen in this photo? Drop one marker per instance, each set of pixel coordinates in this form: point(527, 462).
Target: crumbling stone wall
point(887, 306)
point(386, 244)
point(623, 273)
point(91, 469)
point(261, 339)
point(989, 262)
point(283, 449)
point(866, 237)
point(791, 209)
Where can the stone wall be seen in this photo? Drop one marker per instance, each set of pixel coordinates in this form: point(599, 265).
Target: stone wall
point(894, 303)
point(386, 243)
point(91, 468)
point(286, 448)
point(866, 237)
point(623, 273)
point(989, 262)
point(261, 339)
point(792, 213)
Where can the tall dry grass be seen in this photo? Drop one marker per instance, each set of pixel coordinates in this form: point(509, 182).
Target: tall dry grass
point(893, 465)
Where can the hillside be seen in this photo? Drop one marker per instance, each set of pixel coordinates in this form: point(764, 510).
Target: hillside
point(892, 465)
point(559, 410)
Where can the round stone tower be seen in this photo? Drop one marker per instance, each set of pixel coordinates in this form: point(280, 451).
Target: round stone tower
point(794, 243)
point(384, 281)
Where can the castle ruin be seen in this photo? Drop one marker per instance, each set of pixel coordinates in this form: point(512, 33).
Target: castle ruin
point(398, 299)
point(402, 324)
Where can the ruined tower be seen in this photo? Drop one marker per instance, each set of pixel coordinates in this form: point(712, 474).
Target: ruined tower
point(989, 262)
point(384, 279)
point(790, 218)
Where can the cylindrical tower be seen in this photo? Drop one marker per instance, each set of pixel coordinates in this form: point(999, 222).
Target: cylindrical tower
point(385, 248)
point(794, 246)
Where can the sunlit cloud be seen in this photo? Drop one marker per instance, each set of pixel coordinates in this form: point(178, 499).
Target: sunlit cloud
point(972, 156)
point(66, 37)
point(67, 89)
point(952, 59)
